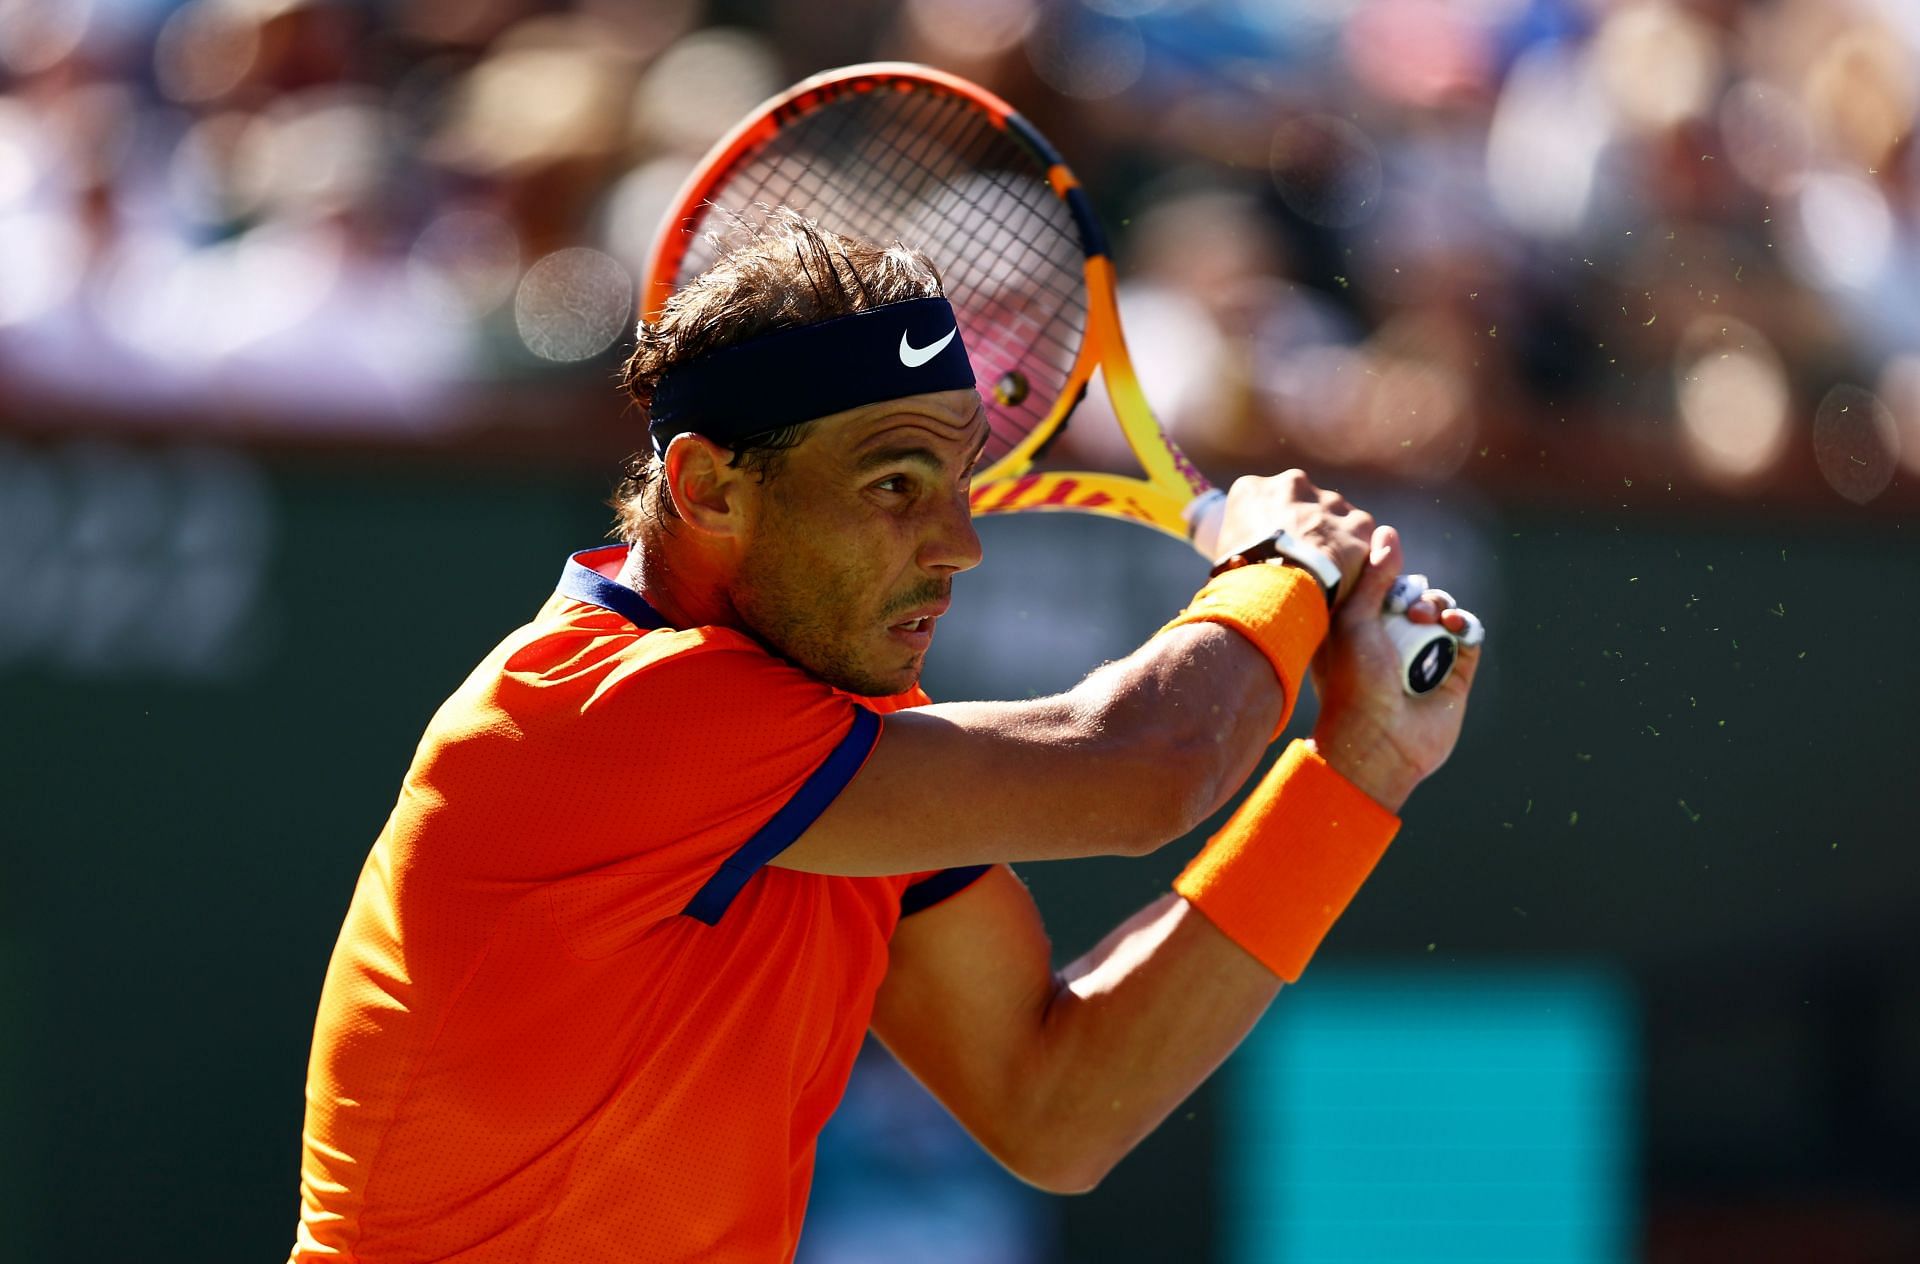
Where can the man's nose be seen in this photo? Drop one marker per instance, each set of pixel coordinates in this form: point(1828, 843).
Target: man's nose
point(954, 545)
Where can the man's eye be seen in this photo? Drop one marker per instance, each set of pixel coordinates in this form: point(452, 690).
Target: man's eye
point(894, 483)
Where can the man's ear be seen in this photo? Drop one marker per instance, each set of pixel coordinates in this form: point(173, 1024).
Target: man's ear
point(707, 492)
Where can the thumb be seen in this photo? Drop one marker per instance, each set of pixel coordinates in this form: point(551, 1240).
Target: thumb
point(1376, 577)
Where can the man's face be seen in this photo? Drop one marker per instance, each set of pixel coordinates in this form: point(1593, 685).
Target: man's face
point(856, 537)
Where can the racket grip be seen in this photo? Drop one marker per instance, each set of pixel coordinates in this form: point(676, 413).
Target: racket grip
point(1426, 650)
point(1204, 514)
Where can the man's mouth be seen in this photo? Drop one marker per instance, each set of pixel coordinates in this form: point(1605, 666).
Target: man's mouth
point(917, 630)
point(925, 612)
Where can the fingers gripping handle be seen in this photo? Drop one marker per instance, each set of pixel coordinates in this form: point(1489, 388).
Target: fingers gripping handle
point(1427, 650)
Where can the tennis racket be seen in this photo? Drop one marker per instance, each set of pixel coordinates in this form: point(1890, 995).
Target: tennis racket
point(892, 151)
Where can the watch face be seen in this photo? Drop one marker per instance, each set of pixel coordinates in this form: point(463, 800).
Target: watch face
point(1431, 665)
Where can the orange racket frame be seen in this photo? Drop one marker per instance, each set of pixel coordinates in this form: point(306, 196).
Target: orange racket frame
point(1167, 497)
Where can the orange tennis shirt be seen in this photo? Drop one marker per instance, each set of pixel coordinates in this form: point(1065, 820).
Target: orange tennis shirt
point(572, 1016)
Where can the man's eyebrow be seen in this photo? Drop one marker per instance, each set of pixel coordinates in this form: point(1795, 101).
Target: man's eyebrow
point(914, 452)
point(920, 453)
point(986, 434)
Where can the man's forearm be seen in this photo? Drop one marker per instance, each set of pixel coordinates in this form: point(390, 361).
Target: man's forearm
point(1190, 713)
point(1133, 1027)
point(1059, 1075)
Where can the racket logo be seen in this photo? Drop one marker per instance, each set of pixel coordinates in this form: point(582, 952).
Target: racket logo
point(913, 357)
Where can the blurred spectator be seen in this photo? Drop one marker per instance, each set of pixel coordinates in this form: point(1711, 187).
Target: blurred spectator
point(1375, 233)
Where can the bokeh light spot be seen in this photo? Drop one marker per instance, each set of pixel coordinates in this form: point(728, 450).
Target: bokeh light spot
point(19, 162)
point(1417, 52)
point(1767, 136)
point(1545, 142)
point(573, 304)
point(636, 206)
point(1660, 65)
point(1861, 92)
point(702, 86)
point(1090, 61)
point(1855, 443)
point(204, 51)
point(1844, 231)
point(464, 264)
point(1732, 396)
point(1900, 390)
point(36, 35)
point(40, 257)
point(1327, 170)
point(972, 28)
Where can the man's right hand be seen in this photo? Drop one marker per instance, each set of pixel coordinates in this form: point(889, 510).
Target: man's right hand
point(1370, 729)
point(1258, 507)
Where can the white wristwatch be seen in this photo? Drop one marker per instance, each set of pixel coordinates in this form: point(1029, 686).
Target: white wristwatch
point(1284, 546)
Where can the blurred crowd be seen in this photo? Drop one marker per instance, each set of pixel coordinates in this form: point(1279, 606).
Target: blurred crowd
point(1391, 234)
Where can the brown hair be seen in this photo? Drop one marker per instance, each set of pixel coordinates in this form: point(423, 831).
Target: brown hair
point(785, 272)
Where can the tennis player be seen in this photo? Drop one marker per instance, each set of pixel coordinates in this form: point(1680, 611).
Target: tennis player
point(678, 843)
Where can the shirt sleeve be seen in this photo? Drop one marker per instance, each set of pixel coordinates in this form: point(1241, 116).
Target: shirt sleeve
point(925, 892)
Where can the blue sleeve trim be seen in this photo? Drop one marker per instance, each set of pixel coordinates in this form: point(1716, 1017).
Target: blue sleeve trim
point(582, 583)
point(790, 822)
point(928, 892)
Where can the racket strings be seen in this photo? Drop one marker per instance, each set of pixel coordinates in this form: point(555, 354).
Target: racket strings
point(982, 152)
point(934, 171)
point(1011, 221)
point(967, 141)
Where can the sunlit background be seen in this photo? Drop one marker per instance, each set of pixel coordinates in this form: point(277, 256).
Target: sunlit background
point(1412, 235)
point(309, 316)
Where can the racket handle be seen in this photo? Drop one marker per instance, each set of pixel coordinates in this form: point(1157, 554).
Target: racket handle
point(1426, 650)
point(1204, 514)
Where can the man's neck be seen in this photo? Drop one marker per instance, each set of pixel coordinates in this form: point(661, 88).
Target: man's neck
point(681, 599)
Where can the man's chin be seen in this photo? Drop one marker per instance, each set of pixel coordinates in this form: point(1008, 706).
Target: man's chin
point(865, 680)
point(881, 686)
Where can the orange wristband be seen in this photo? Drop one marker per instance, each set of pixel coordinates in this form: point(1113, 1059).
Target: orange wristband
point(1281, 609)
point(1287, 864)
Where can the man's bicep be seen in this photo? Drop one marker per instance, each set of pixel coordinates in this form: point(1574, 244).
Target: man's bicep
point(981, 783)
point(964, 1001)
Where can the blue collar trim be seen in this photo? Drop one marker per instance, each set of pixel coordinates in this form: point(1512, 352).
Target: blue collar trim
point(582, 582)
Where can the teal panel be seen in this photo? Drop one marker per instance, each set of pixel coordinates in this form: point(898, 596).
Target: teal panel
point(1385, 1116)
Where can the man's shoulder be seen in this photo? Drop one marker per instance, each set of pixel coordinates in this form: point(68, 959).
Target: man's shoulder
point(569, 638)
point(576, 641)
point(584, 663)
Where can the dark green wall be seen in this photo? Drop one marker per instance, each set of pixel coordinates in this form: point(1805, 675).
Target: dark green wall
point(178, 845)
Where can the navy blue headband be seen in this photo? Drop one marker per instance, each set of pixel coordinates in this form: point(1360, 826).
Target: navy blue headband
point(794, 375)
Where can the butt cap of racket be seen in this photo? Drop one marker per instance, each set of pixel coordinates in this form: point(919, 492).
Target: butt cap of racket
point(1427, 650)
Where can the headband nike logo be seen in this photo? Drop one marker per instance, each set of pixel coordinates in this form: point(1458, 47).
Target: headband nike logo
point(913, 357)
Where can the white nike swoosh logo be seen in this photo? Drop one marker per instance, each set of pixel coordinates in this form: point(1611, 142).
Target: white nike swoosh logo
point(913, 357)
